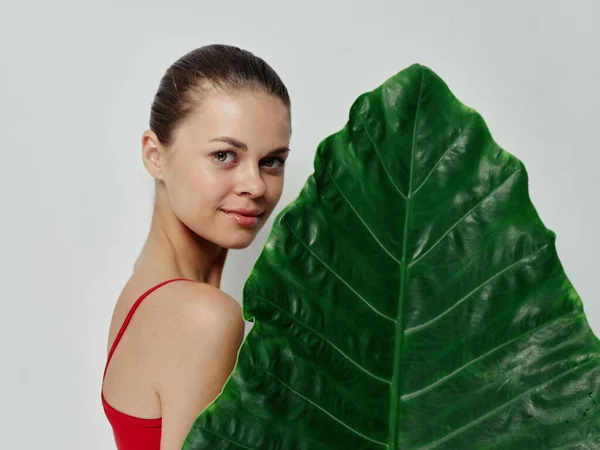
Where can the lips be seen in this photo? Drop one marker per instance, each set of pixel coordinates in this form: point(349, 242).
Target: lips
point(241, 219)
point(244, 212)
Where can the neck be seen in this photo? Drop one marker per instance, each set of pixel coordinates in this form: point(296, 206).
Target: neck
point(172, 247)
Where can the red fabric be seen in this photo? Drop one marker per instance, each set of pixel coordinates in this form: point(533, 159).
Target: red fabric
point(133, 433)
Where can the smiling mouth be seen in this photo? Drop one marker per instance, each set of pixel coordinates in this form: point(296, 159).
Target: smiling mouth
point(245, 221)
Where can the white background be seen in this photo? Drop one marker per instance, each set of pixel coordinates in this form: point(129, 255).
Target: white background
point(76, 82)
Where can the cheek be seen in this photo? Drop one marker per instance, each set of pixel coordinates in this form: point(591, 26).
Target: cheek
point(274, 189)
point(195, 193)
point(208, 186)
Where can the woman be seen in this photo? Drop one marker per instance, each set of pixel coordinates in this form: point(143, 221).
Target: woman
point(220, 127)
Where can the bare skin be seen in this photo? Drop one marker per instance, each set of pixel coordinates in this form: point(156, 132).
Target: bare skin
point(182, 342)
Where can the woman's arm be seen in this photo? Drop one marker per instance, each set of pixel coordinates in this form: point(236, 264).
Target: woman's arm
point(204, 336)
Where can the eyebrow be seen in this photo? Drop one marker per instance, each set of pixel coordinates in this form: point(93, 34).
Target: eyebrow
point(244, 147)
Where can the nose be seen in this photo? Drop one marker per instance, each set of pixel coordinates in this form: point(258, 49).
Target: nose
point(250, 182)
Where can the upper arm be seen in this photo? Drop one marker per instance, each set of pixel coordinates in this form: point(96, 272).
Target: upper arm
point(203, 341)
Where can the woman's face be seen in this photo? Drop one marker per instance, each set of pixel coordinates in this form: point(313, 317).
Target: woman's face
point(209, 173)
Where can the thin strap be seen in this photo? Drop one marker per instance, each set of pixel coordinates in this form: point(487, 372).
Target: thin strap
point(130, 315)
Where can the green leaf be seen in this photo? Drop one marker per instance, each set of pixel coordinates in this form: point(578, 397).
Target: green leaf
point(410, 298)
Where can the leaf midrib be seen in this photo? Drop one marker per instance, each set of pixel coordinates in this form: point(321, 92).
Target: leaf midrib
point(395, 401)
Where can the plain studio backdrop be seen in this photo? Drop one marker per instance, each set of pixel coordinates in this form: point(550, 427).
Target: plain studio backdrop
point(77, 81)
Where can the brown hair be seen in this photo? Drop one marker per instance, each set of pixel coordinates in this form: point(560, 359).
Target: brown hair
point(209, 67)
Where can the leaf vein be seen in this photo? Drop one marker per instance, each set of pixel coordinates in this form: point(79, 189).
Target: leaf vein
point(361, 219)
point(419, 327)
point(495, 410)
point(319, 407)
point(228, 440)
point(390, 318)
point(572, 315)
point(395, 416)
point(584, 441)
point(379, 156)
point(295, 319)
point(463, 218)
point(450, 147)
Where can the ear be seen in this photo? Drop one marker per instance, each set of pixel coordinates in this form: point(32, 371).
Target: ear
point(153, 154)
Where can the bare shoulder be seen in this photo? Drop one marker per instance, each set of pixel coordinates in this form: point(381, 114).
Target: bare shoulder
point(196, 303)
point(195, 313)
point(202, 333)
point(185, 298)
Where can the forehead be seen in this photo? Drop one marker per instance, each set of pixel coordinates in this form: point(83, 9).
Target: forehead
point(238, 111)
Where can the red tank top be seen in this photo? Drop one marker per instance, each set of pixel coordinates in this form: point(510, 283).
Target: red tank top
point(133, 433)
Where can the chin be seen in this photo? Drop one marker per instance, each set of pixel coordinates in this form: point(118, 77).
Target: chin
point(238, 239)
point(240, 244)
